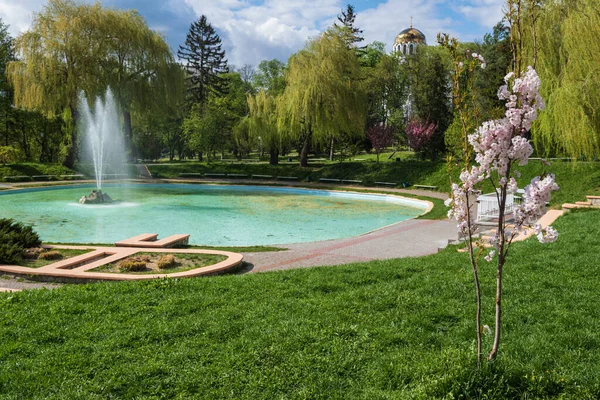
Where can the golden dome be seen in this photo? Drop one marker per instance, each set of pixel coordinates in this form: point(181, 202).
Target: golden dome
point(410, 35)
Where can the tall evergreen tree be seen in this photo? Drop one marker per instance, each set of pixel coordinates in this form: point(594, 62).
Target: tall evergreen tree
point(346, 19)
point(205, 61)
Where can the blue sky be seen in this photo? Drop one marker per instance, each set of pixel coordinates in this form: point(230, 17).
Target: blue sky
point(255, 30)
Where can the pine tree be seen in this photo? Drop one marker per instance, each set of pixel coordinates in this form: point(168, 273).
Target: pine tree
point(205, 61)
point(347, 20)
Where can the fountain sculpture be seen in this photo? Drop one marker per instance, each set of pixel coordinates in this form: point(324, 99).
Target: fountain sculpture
point(103, 142)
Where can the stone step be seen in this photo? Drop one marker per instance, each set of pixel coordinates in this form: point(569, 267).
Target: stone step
point(570, 206)
point(595, 200)
point(579, 204)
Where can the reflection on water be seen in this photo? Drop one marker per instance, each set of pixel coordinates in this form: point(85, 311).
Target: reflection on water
point(212, 215)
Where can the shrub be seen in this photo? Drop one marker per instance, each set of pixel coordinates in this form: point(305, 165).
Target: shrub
point(167, 261)
point(10, 253)
point(15, 239)
point(131, 265)
point(50, 255)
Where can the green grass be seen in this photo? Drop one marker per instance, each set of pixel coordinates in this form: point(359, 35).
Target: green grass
point(392, 329)
point(29, 169)
point(66, 253)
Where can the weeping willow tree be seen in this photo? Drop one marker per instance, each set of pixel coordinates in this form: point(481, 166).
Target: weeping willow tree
point(55, 63)
point(262, 123)
point(76, 46)
point(562, 42)
point(138, 65)
point(324, 98)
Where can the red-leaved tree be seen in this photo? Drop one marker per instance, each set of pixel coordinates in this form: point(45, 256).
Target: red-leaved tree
point(419, 134)
point(380, 137)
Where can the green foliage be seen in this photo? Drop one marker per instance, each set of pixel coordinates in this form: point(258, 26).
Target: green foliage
point(204, 61)
point(385, 329)
point(103, 47)
point(568, 62)
point(15, 238)
point(430, 83)
point(495, 49)
point(323, 98)
point(270, 76)
point(8, 155)
point(262, 123)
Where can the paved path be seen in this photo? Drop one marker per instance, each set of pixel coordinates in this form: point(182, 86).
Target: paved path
point(412, 238)
point(9, 284)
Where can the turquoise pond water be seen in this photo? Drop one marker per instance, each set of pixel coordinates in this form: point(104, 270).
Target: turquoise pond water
point(212, 215)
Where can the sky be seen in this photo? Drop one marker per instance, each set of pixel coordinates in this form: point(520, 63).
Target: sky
point(256, 30)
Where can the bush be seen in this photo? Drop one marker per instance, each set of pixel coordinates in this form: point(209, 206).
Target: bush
point(15, 238)
point(10, 253)
point(131, 265)
point(167, 261)
point(50, 255)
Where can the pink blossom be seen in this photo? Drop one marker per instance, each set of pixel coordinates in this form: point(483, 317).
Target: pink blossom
point(499, 145)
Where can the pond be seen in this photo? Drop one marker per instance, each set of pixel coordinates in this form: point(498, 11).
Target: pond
point(213, 215)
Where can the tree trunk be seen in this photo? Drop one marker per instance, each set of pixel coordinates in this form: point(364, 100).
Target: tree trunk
point(6, 123)
point(69, 160)
point(200, 156)
point(127, 134)
point(331, 148)
point(274, 156)
point(501, 260)
point(305, 147)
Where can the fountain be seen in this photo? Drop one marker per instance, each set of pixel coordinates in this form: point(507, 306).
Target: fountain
point(103, 141)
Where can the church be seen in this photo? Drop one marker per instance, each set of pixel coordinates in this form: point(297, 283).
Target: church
point(407, 41)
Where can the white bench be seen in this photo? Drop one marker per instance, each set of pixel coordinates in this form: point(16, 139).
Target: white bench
point(426, 187)
point(329, 180)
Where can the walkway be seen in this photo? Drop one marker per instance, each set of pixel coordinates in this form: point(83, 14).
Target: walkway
point(412, 238)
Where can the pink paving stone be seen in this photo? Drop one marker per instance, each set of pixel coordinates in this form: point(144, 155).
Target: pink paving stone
point(78, 267)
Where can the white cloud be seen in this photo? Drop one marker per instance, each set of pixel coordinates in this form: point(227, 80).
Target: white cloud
point(485, 13)
point(385, 21)
point(272, 29)
point(18, 14)
point(256, 30)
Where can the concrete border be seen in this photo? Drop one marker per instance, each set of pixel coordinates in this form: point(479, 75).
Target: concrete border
point(76, 268)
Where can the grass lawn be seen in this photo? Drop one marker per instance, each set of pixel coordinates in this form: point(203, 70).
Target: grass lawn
point(378, 330)
point(29, 169)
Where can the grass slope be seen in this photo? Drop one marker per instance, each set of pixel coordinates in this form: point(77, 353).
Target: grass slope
point(379, 330)
point(576, 180)
point(29, 169)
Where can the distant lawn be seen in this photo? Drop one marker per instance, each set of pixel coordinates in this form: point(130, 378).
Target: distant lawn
point(380, 330)
point(29, 169)
point(576, 180)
